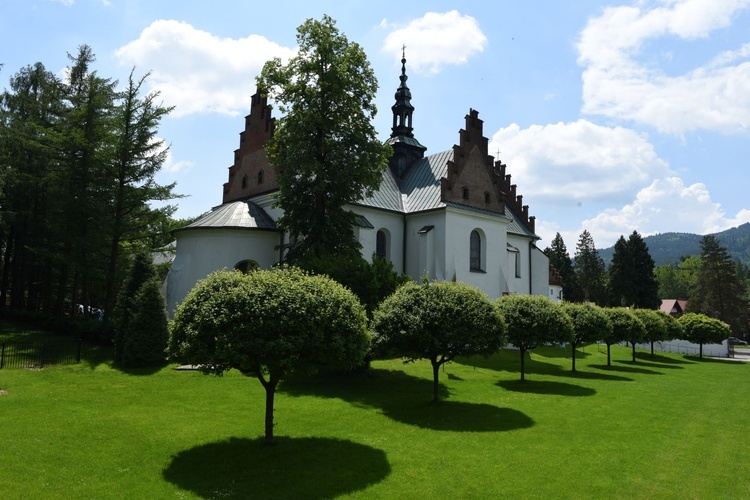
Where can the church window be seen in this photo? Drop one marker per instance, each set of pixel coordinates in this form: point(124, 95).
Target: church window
point(475, 251)
point(487, 198)
point(465, 193)
point(260, 177)
point(381, 244)
point(244, 182)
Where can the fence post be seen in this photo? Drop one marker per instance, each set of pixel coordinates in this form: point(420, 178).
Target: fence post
point(78, 351)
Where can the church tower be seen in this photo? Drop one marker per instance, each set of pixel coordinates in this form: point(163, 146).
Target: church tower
point(406, 148)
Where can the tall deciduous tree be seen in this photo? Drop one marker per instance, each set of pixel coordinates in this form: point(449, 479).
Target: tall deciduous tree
point(325, 145)
point(558, 256)
point(590, 270)
point(631, 275)
point(437, 321)
point(719, 293)
point(269, 324)
point(532, 321)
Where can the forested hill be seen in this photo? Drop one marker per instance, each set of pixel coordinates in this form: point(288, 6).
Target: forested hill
point(667, 248)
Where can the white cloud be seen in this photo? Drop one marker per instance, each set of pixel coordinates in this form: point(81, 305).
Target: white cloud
point(171, 165)
point(666, 205)
point(715, 96)
point(578, 162)
point(66, 3)
point(199, 72)
point(436, 40)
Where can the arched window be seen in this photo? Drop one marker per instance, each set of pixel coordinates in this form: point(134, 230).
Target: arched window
point(247, 266)
point(487, 198)
point(475, 251)
point(244, 182)
point(465, 193)
point(381, 244)
point(260, 177)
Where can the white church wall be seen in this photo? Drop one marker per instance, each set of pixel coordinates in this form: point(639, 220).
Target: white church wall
point(493, 232)
point(393, 226)
point(540, 272)
point(423, 254)
point(201, 252)
point(518, 279)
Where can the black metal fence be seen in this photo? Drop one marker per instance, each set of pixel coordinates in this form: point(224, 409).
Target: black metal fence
point(41, 354)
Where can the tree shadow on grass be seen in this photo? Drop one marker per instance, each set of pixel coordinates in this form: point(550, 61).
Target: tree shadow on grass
point(657, 358)
point(626, 369)
point(546, 387)
point(458, 416)
point(292, 468)
point(408, 399)
point(534, 366)
point(647, 364)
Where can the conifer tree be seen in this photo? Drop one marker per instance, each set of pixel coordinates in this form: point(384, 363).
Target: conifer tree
point(632, 282)
point(719, 293)
point(561, 261)
point(590, 270)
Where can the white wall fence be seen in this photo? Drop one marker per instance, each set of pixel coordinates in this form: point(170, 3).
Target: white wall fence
point(685, 347)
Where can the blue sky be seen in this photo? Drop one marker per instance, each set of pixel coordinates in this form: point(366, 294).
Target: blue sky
point(612, 116)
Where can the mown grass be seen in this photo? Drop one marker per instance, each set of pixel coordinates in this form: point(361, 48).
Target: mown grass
point(663, 427)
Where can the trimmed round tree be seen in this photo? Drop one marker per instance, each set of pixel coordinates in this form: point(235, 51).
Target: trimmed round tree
point(436, 321)
point(626, 327)
point(534, 320)
point(590, 323)
point(269, 324)
point(655, 325)
point(701, 329)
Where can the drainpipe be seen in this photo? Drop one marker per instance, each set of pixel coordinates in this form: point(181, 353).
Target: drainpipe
point(531, 246)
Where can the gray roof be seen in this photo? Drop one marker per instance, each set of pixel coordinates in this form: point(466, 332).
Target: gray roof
point(234, 215)
point(419, 190)
point(516, 226)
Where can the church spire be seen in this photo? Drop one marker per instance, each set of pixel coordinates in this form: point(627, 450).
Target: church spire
point(406, 149)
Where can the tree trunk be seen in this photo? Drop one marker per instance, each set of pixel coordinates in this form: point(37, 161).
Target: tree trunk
point(652, 348)
point(700, 350)
point(523, 355)
point(609, 362)
point(633, 344)
point(574, 355)
point(435, 384)
point(270, 393)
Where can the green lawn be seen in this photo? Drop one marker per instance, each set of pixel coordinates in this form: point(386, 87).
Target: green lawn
point(661, 428)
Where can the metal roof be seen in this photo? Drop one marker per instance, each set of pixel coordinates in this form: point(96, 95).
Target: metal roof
point(516, 226)
point(236, 214)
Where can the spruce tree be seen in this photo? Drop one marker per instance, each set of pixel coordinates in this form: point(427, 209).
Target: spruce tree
point(146, 337)
point(719, 293)
point(141, 271)
point(561, 261)
point(590, 270)
point(632, 281)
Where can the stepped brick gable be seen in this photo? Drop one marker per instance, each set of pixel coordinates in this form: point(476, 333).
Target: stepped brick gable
point(471, 178)
point(251, 173)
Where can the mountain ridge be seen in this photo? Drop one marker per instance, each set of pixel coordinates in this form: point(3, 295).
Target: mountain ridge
point(669, 248)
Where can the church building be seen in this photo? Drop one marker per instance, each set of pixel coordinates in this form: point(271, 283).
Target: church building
point(453, 215)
